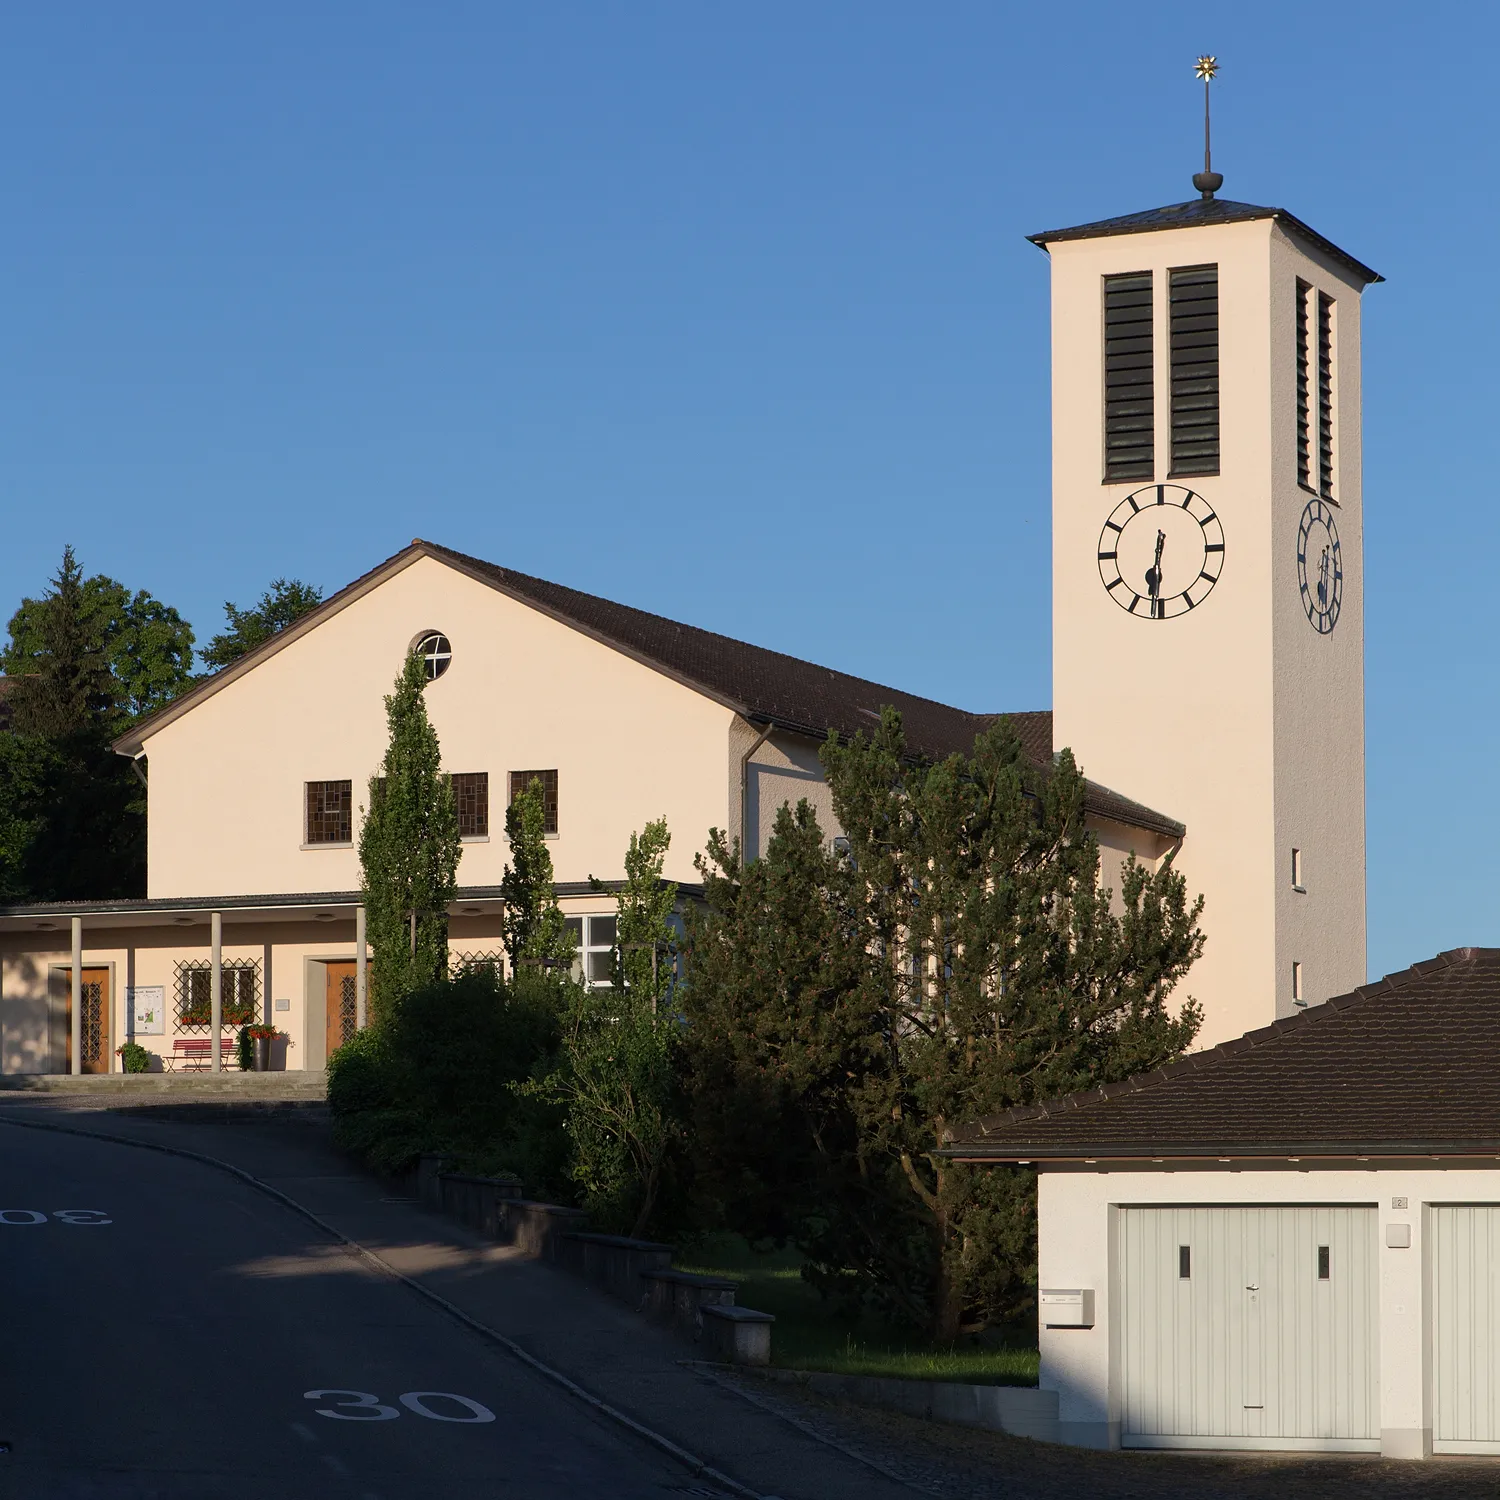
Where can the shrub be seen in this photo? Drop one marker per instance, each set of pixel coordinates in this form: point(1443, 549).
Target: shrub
point(438, 1075)
point(134, 1058)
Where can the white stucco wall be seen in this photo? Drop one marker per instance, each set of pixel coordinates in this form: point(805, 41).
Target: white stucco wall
point(1078, 1217)
point(1225, 717)
point(523, 692)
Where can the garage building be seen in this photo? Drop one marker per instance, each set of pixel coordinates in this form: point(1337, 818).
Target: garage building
point(1291, 1241)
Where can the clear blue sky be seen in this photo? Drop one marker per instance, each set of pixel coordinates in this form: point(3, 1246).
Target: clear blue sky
point(726, 312)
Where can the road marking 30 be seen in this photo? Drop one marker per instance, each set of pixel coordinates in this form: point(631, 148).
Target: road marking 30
point(362, 1406)
point(62, 1215)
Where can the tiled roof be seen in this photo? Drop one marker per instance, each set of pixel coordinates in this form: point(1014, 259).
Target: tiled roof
point(765, 687)
point(1201, 211)
point(769, 687)
point(1409, 1065)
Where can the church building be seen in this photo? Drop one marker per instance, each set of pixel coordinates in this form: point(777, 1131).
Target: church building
point(1208, 659)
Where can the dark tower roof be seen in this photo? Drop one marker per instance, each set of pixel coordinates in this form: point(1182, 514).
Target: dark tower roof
point(1202, 211)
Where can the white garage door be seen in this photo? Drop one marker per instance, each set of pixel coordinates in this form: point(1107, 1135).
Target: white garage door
point(1466, 1329)
point(1250, 1328)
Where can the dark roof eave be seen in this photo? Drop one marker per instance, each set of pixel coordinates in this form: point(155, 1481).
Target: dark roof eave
point(1197, 213)
point(1040, 1153)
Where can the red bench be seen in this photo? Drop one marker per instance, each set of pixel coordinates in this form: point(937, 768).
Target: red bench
point(196, 1054)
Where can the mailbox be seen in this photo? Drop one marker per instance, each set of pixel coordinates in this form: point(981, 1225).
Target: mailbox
point(1068, 1308)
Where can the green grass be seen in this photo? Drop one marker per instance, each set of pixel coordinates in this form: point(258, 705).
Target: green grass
point(810, 1336)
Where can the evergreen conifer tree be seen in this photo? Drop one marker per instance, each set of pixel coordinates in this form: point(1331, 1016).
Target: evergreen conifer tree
point(408, 851)
point(962, 958)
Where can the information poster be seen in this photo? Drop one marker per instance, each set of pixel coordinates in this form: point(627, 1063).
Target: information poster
point(148, 1010)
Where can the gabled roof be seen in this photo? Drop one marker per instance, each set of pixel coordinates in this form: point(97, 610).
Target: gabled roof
point(1407, 1066)
point(764, 687)
point(1200, 211)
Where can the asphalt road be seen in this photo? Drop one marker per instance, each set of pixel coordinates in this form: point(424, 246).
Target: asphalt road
point(167, 1331)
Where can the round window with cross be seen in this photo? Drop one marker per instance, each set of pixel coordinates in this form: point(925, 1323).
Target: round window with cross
point(437, 655)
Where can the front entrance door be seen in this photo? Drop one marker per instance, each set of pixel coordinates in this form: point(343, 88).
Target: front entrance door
point(95, 1030)
point(342, 1007)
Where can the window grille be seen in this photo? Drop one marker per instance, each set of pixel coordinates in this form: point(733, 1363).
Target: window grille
point(520, 780)
point(192, 985)
point(330, 812)
point(1129, 378)
point(1304, 404)
point(471, 794)
point(1325, 395)
point(1194, 302)
point(489, 960)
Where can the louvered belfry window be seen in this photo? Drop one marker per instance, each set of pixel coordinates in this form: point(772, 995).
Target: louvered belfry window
point(1304, 391)
point(1193, 294)
point(1325, 395)
point(1129, 405)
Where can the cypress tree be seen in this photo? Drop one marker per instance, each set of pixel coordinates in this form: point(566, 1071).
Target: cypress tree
point(533, 928)
point(408, 851)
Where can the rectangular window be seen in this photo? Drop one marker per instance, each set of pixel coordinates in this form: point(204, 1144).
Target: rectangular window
point(520, 780)
point(1322, 1262)
point(1184, 1262)
point(239, 994)
point(1129, 378)
point(471, 794)
point(1297, 870)
point(1297, 984)
point(595, 939)
point(330, 812)
point(1194, 314)
point(1304, 390)
point(1325, 395)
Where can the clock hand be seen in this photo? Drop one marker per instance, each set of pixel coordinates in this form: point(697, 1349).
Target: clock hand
point(1153, 573)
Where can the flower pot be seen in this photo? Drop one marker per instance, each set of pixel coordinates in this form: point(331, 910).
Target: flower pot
point(262, 1054)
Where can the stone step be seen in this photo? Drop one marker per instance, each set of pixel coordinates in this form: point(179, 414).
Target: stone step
point(164, 1086)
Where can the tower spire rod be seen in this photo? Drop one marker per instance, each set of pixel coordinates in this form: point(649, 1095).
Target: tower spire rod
point(1208, 182)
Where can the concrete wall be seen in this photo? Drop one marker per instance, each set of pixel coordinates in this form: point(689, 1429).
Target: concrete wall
point(1078, 1213)
point(1226, 717)
point(523, 692)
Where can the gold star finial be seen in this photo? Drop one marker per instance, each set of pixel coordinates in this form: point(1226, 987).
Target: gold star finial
point(1206, 68)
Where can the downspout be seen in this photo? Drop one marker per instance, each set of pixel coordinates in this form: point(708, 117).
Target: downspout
point(135, 765)
point(760, 740)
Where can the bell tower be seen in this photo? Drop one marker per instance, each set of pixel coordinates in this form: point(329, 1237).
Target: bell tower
point(1208, 586)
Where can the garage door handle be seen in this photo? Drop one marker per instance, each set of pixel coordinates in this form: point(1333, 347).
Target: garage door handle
point(1252, 1286)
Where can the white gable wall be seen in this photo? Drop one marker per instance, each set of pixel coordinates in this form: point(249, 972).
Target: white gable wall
point(524, 692)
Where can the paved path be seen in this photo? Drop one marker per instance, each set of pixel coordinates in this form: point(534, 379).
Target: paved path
point(168, 1352)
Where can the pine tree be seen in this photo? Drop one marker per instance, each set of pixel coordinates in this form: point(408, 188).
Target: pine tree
point(961, 958)
point(72, 814)
point(408, 851)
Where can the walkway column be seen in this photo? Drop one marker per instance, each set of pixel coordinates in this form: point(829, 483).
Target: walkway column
point(75, 1024)
point(361, 973)
point(216, 987)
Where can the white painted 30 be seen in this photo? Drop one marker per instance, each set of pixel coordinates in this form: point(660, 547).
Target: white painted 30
point(362, 1406)
point(62, 1215)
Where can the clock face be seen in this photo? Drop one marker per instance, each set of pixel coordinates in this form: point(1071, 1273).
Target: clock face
point(1161, 551)
point(1320, 566)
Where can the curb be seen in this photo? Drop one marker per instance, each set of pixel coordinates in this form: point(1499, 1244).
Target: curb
point(695, 1466)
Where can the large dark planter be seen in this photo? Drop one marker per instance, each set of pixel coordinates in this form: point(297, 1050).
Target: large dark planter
point(262, 1054)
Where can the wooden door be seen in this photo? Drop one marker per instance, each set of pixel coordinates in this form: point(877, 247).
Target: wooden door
point(95, 1030)
point(342, 1007)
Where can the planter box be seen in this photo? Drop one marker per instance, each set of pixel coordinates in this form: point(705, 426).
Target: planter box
point(679, 1297)
point(614, 1262)
point(478, 1202)
point(737, 1335)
